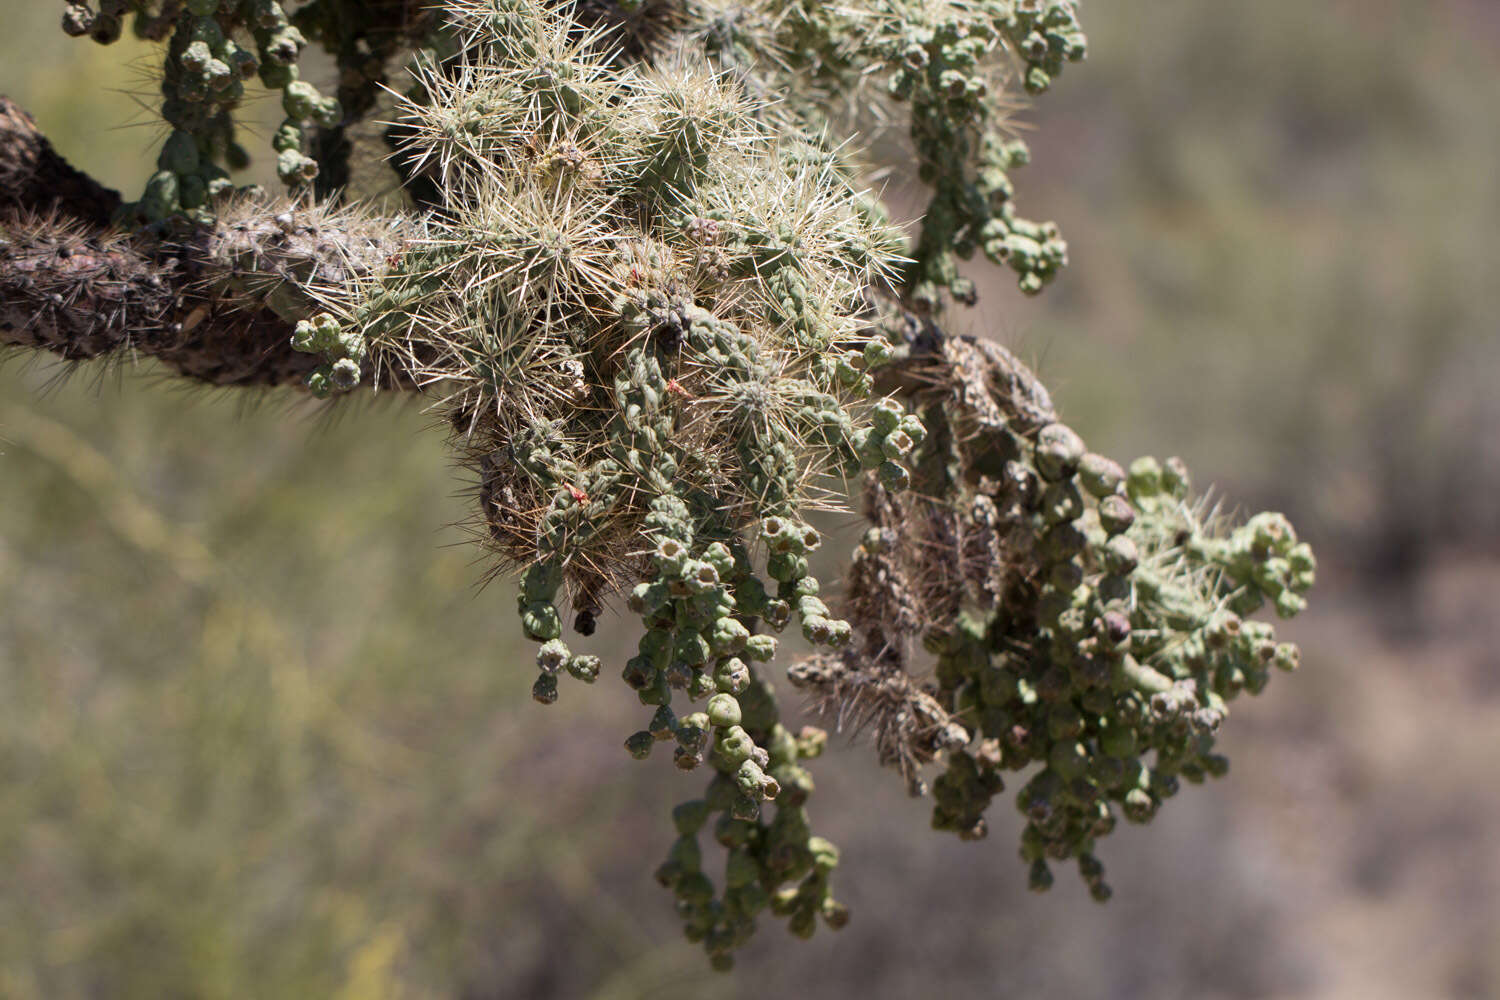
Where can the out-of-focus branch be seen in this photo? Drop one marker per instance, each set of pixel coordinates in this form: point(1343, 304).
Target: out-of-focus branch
point(35, 180)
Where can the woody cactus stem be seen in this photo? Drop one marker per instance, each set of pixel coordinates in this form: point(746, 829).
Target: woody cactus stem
point(216, 303)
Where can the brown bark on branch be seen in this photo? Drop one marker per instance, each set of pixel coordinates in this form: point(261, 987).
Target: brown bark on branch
point(217, 304)
point(83, 292)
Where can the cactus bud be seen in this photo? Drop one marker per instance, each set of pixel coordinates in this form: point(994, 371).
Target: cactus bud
point(545, 689)
point(1058, 452)
point(723, 711)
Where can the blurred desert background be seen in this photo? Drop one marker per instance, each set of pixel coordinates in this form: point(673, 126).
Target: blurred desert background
point(262, 734)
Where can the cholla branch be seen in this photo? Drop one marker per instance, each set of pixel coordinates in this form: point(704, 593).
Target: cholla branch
point(1079, 616)
point(660, 313)
point(217, 303)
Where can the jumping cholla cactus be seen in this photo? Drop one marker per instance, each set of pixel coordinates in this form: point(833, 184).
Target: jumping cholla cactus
point(643, 279)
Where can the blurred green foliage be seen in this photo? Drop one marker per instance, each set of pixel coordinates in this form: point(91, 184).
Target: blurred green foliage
point(259, 738)
point(203, 686)
point(1280, 217)
point(257, 734)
